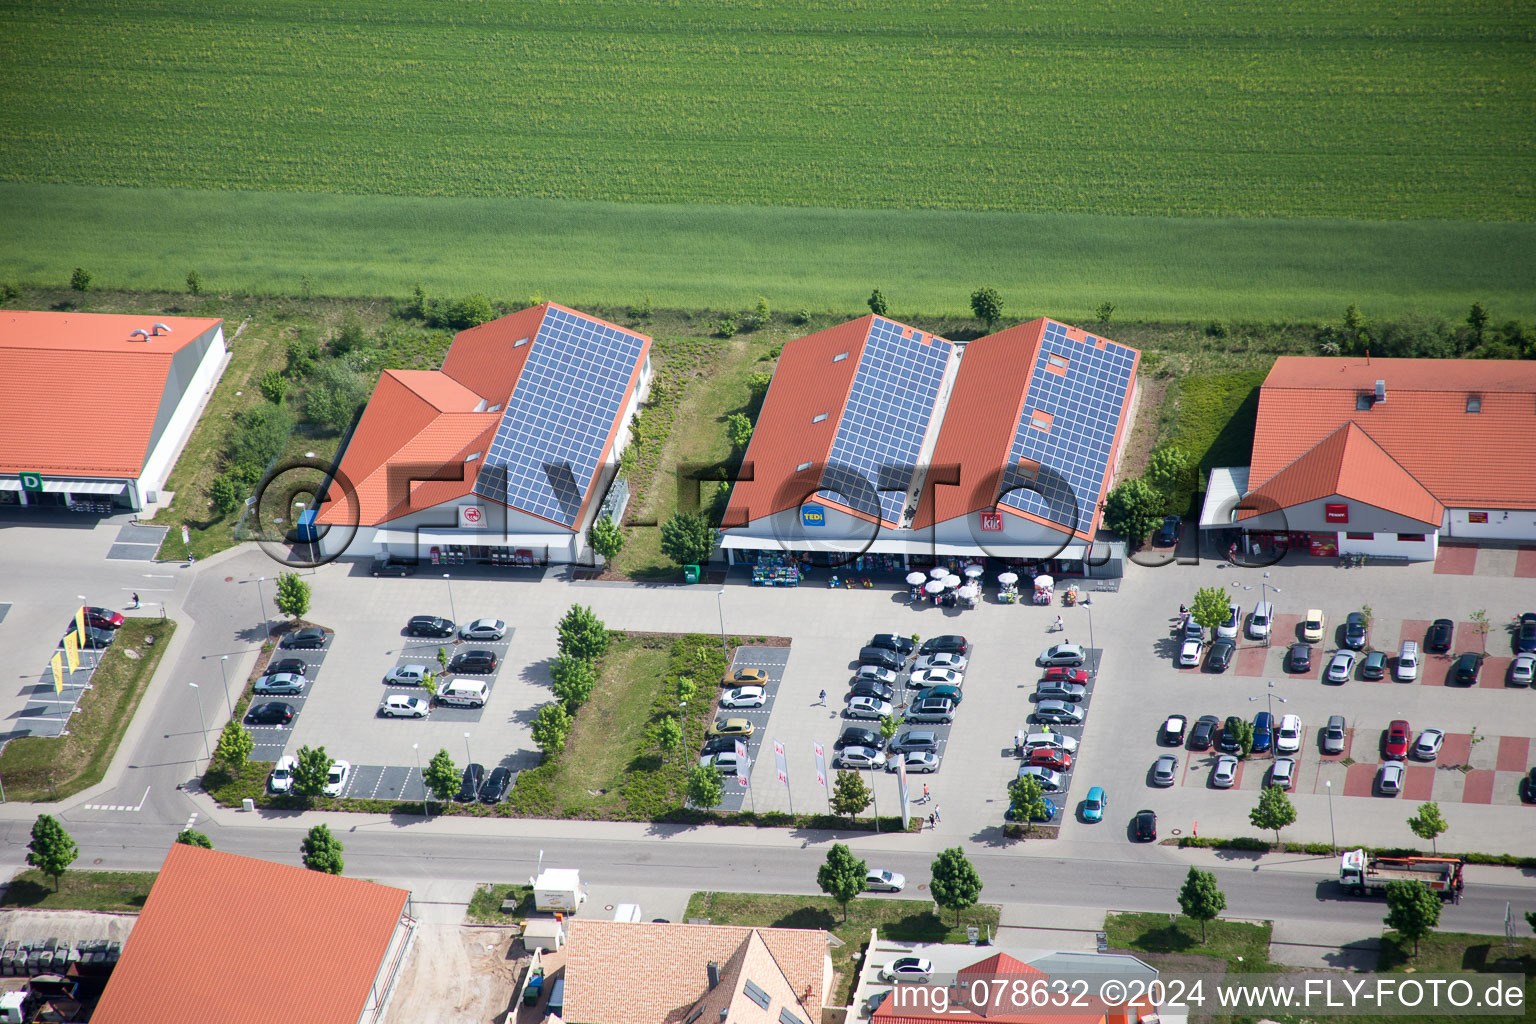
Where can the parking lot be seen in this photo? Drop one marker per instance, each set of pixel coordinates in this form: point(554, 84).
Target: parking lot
point(771, 661)
point(272, 740)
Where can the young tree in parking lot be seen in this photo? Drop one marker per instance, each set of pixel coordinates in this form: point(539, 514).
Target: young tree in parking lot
point(1244, 739)
point(573, 679)
point(1026, 799)
point(313, 765)
point(442, 657)
point(1413, 911)
point(582, 634)
point(889, 725)
point(1210, 606)
point(705, 787)
point(850, 794)
point(607, 539)
point(1479, 621)
point(441, 776)
point(955, 884)
point(1200, 898)
point(235, 746)
point(322, 851)
point(842, 876)
point(1429, 824)
point(1274, 811)
point(1133, 509)
point(551, 726)
point(192, 837)
point(52, 850)
point(688, 538)
point(292, 595)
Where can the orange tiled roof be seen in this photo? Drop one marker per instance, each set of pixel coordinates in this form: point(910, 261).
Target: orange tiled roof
point(81, 398)
point(1465, 460)
point(232, 939)
point(1349, 463)
point(1001, 1008)
point(623, 973)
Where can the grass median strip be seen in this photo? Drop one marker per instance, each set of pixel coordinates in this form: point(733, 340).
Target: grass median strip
point(485, 905)
point(111, 892)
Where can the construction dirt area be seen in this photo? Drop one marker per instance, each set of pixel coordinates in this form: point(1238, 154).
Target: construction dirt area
point(68, 926)
point(459, 974)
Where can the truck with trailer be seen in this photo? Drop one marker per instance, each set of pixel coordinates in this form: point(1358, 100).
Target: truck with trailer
point(1362, 873)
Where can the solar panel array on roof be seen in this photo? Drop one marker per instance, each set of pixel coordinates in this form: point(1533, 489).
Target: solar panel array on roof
point(881, 432)
point(1084, 404)
point(557, 422)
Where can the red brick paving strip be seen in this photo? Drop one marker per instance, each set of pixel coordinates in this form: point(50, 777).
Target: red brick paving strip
point(1250, 661)
point(1479, 788)
point(1419, 782)
point(1514, 753)
point(1525, 563)
point(1360, 780)
point(1457, 748)
point(1455, 560)
point(1495, 671)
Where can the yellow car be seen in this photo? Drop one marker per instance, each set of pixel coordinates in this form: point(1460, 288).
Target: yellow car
point(732, 727)
point(1313, 626)
point(745, 676)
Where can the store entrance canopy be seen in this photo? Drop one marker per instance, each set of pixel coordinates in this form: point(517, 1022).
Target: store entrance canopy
point(113, 487)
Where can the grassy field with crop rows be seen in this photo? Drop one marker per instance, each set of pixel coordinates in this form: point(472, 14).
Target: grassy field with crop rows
point(1375, 109)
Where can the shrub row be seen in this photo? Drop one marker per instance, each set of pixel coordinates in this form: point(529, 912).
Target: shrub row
point(1507, 860)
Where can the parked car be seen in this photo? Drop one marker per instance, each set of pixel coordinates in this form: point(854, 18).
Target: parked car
point(1192, 630)
point(950, 693)
point(724, 761)
point(865, 688)
point(1407, 661)
point(469, 786)
point(732, 727)
point(934, 709)
point(281, 779)
point(1059, 711)
point(484, 630)
point(1374, 665)
point(495, 787)
point(430, 625)
point(1442, 633)
point(1288, 737)
point(1144, 826)
point(1172, 732)
point(309, 638)
point(1389, 779)
point(913, 739)
point(1228, 630)
point(1165, 770)
point(1224, 775)
point(398, 705)
point(1333, 735)
point(853, 736)
point(1301, 658)
point(1045, 812)
point(270, 713)
point(876, 674)
point(1428, 746)
point(93, 639)
point(1263, 732)
point(1035, 740)
point(1189, 654)
point(1048, 690)
point(473, 662)
point(1468, 667)
point(1340, 666)
point(907, 968)
point(1313, 625)
point(943, 659)
point(1050, 782)
point(878, 880)
point(406, 675)
point(741, 676)
point(388, 566)
point(1061, 674)
point(1261, 620)
point(867, 707)
point(1220, 655)
point(1522, 671)
point(1231, 730)
point(949, 643)
point(337, 777)
point(1168, 533)
point(902, 645)
point(858, 757)
point(1054, 758)
point(103, 618)
point(292, 666)
point(1094, 804)
point(1354, 631)
point(936, 677)
point(882, 657)
point(1282, 772)
point(721, 744)
point(1528, 787)
point(1525, 634)
point(744, 697)
point(1394, 746)
point(285, 684)
point(1069, 655)
point(917, 762)
point(1204, 732)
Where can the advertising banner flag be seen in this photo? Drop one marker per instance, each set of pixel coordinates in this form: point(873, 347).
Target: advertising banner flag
point(72, 650)
point(57, 664)
point(741, 762)
point(80, 621)
point(821, 765)
point(780, 763)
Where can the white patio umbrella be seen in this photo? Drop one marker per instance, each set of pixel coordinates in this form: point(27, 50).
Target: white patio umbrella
point(968, 591)
point(951, 581)
point(933, 586)
point(1044, 581)
point(973, 571)
point(938, 572)
point(915, 578)
point(1007, 578)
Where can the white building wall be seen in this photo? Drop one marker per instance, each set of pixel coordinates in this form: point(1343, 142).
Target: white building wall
point(158, 466)
point(1502, 524)
point(1387, 545)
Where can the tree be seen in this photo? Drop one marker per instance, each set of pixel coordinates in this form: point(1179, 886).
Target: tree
point(573, 680)
point(1480, 627)
point(310, 769)
point(1429, 824)
point(1026, 799)
point(442, 657)
point(842, 876)
point(889, 725)
point(987, 304)
point(1530, 919)
point(292, 595)
point(1167, 467)
point(53, 851)
point(234, 746)
point(955, 884)
point(274, 386)
point(194, 283)
point(1200, 898)
point(349, 337)
point(551, 726)
point(582, 634)
point(1210, 606)
point(850, 794)
point(606, 537)
point(705, 787)
point(1354, 323)
point(667, 733)
point(1413, 911)
point(687, 538)
point(80, 281)
point(1133, 509)
point(1104, 312)
point(192, 837)
point(1477, 319)
point(738, 431)
point(322, 851)
point(471, 311)
point(224, 494)
point(757, 384)
point(1274, 811)
point(877, 304)
point(441, 776)
point(1244, 738)
point(335, 392)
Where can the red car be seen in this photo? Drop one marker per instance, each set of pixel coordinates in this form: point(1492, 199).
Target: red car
point(103, 618)
point(1065, 675)
point(1050, 757)
point(1396, 746)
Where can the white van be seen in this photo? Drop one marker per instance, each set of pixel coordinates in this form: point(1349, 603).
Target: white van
point(1263, 616)
point(463, 693)
point(1408, 661)
point(629, 912)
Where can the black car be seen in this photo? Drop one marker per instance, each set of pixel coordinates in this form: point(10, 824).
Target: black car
point(1467, 668)
point(870, 688)
point(1354, 631)
point(308, 638)
point(389, 566)
point(1204, 733)
point(720, 744)
point(1172, 732)
point(856, 737)
point(902, 645)
point(430, 625)
point(1525, 634)
point(474, 778)
point(473, 661)
point(94, 638)
point(1528, 787)
point(286, 666)
point(271, 713)
point(1220, 655)
point(949, 644)
point(1145, 826)
point(882, 657)
point(1442, 632)
point(1168, 533)
point(496, 785)
point(1301, 657)
point(1228, 743)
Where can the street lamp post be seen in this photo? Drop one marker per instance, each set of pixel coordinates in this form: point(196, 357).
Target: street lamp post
point(451, 607)
point(259, 597)
point(225, 673)
point(1264, 589)
point(424, 812)
point(468, 757)
point(720, 607)
point(1270, 695)
point(1333, 839)
point(203, 720)
point(1089, 609)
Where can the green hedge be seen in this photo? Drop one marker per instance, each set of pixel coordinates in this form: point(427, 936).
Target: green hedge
point(1507, 860)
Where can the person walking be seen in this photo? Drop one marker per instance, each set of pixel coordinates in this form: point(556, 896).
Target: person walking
point(135, 598)
point(925, 792)
point(821, 698)
point(932, 820)
point(936, 818)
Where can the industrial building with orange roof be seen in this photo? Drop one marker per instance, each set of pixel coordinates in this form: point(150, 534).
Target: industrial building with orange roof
point(98, 406)
point(1382, 457)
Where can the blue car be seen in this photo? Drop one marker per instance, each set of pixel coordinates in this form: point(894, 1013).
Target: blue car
point(1093, 807)
point(1263, 731)
point(1049, 815)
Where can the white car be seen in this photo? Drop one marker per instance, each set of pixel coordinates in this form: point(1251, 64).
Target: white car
point(1189, 654)
point(281, 779)
point(337, 778)
point(1283, 772)
point(879, 880)
point(1288, 736)
point(1261, 619)
point(1224, 775)
point(868, 707)
point(1428, 746)
point(1228, 629)
point(918, 762)
point(725, 761)
point(936, 677)
point(944, 659)
point(1389, 781)
point(876, 674)
point(744, 697)
point(406, 675)
point(907, 968)
point(1340, 666)
point(1035, 740)
point(1522, 670)
point(859, 757)
point(484, 629)
point(398, 705)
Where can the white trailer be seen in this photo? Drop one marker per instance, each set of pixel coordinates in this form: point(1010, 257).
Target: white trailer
point(558, 890)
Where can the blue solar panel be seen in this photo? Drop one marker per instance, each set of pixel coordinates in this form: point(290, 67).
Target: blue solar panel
point(1085, 405)
point(881, 432)
point(558, 419)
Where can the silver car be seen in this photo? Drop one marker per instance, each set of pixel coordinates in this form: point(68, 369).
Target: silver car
point(876, 674)
point(859, 757)
point(1522, 669)
point(405, 675)
point(1059, 711)
point(1389, 781)
point(1224, 775)
point(1055, 689)
point(878, 880)
point(934, 709)
point(1340, 666)
point(1428, 746)
point(918, 762)
point(1283, 772)
point(285, 683)
point(1164, 770)
point(484, 629)
point(943, 659)
point(1333, 735)
point(868, 707)
point(1050, 781)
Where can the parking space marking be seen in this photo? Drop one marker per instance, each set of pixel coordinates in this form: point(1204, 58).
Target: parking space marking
point(773, 661)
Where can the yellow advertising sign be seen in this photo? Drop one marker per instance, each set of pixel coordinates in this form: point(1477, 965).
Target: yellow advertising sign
point(57, 664)
point(80, 620)
point(72, 650)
